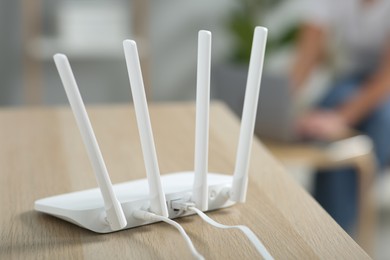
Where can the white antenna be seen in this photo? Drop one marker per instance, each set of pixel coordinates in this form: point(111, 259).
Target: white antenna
point(114, 211)
point(200, 188)
point(240, 178)
point(156, 193)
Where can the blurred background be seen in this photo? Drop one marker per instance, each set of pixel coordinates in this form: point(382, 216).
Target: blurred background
point(90, 33)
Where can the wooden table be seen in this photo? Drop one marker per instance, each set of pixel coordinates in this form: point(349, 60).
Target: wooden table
point(41, 154)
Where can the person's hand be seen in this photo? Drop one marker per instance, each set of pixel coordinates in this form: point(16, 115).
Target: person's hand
point(323, 125)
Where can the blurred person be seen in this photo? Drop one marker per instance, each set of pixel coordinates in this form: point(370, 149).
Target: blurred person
point(352, 37)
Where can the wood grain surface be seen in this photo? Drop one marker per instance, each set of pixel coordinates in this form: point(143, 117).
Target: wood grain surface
point(41, 154)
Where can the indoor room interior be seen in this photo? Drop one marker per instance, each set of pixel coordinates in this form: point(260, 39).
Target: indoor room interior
point(90, 34)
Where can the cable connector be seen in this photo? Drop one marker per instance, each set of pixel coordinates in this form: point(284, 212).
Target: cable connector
point(145, 215)
point(182, 205)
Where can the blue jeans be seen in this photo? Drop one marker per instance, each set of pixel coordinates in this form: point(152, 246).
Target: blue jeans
point(337, 190)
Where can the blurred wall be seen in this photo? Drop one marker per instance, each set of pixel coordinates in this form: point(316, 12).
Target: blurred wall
point(10, 53)
point(94, 47)
point(174, 32)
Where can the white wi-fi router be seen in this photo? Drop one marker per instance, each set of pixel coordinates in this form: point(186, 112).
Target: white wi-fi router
point(110, 207)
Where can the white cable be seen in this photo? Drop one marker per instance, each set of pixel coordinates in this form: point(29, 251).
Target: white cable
point(145, 215)
point(250, 235)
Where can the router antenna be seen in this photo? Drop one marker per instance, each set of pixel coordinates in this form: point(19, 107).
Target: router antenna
point(157, 195)
point(200, 188)
point(114, 211)
point(240, 178)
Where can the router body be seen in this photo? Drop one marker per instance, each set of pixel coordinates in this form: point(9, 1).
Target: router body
point(86, 208)
point(110, 207)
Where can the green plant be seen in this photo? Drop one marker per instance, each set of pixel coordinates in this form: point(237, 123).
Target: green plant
point(245, 18)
